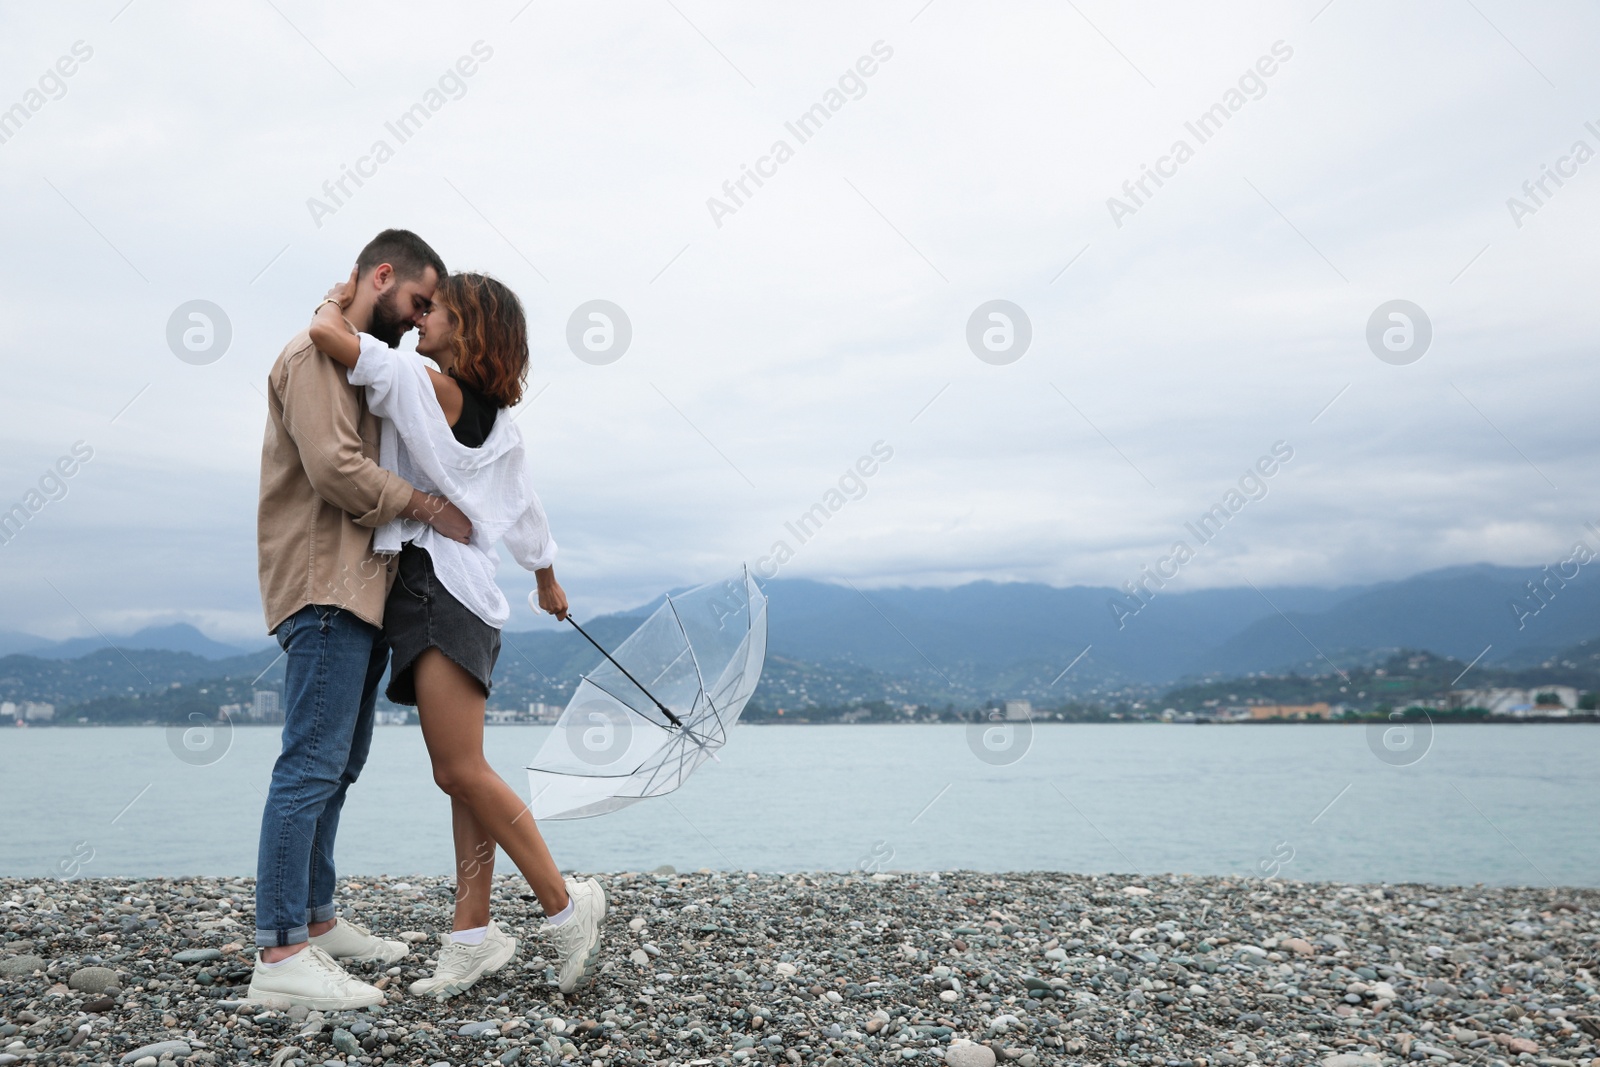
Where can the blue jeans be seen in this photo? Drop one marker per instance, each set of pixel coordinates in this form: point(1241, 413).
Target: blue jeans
point(335, 663)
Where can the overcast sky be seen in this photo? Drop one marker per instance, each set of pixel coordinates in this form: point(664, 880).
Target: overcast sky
point(777, 337)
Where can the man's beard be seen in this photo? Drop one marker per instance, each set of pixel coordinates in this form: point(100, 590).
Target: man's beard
point(388, 324)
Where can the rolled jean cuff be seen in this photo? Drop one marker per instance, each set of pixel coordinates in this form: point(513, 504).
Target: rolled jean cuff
point(321, 914)
point(280, 938)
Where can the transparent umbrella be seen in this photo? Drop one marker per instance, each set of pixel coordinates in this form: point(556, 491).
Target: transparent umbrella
point(657, 707)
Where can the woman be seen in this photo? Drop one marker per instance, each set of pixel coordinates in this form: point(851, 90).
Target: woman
point(443, 432)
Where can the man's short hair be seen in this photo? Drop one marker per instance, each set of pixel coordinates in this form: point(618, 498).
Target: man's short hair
point(408, 254)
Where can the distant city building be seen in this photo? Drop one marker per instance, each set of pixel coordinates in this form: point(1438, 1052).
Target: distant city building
point(537, 712)
point(1494, 701)
point(265, 707)
point(27, 711)
point(1298, 712)
point(1018, 710)
point(391, 717)
point(1519, 702)
point(230, 712)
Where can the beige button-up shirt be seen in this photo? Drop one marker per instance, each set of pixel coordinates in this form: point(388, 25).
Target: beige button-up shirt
point(322, 492)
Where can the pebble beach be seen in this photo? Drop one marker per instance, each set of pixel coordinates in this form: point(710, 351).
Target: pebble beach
point(969, 969)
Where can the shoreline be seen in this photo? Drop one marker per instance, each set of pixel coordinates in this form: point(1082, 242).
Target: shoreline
point(832, 968)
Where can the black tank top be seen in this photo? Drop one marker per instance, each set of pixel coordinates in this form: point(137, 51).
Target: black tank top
point(477, 417)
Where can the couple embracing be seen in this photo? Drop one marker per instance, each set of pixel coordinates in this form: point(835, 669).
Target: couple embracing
point(385, 487)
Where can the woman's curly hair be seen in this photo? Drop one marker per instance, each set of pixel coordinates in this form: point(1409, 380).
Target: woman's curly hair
point(490, 341)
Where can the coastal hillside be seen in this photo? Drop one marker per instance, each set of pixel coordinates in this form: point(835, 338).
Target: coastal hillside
point(834, 646)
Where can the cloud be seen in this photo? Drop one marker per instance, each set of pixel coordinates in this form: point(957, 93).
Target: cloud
point(829, 310)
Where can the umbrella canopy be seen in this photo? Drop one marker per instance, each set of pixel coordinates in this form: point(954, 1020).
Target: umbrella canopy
point(700, 654)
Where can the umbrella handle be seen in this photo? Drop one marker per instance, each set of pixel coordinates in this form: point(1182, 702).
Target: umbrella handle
point(663, 708)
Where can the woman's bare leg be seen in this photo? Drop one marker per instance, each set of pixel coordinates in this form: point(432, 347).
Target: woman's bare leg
point(450, 705)
point(475, 851)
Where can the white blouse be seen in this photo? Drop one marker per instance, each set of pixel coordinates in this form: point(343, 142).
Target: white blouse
point(489, 484)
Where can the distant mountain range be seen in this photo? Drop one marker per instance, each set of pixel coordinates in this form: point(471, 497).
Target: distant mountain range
point(177, 637)
point(1018, 638)
point(966, 644)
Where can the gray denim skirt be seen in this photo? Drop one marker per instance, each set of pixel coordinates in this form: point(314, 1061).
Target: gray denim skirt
point(421, 614)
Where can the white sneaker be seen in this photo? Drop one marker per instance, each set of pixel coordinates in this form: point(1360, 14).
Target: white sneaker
point(578, 939)
point(311, 977)
point(460, 966)
point(351, 941)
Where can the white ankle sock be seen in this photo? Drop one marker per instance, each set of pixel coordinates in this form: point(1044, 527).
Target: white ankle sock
point(473, 936)
point(561, 916)
point(280, 963)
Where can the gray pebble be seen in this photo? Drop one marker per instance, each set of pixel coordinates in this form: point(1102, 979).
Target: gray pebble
point(174, 1049)
point(15, 966)
point(969, 1056)
point(92, 979)
point(841, 969)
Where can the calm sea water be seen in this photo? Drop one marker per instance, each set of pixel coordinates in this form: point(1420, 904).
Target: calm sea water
point(1485, 803)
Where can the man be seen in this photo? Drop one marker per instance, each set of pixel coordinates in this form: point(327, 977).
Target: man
point(323, 589)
